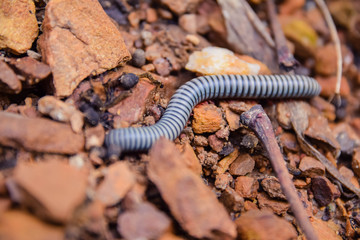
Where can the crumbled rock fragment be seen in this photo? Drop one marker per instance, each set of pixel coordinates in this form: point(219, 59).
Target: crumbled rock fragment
point(38, 134)
point(215, 143)
point(201, 141)
point(223, 165)
point(94, 136)
point(324, 191)
point(118, 181)
point(223, 180)
point(326, 108)
point(242, 165)
point(61, 111)
point(191, 159)
point(246, 186)
point(145, 221)
point(17, 225)
point(19, 26)
point(182, 189)
point(288, 142)
point(208, 159)
point(180, 7)
point(31, 69)
point(311, 167)
point(276, 206)
point(264, 225)
point(272, 186)
point(232, 118)
point(232, 200)
point(349, 175)
point(79, 39)
point(207, 118)
point(347, 137)
point(162, 66)
point(9, 82)
point(52, 189)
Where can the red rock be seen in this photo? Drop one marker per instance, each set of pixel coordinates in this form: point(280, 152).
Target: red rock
point(79, 39)
point(37, 134)
point(118, 181)
point(182, 190)
point(180, 7)
point(242, 165)
point(188, 23)
point(328, 85)
point(31, 69)
point(324, 191)
point(223, 180)
point(264, 225)
point(246, 187)
point(94, 136)
point(231, 117)
point(311, 167)
point(223, 165)
point(276, 206)
point(215, 143)
point(52, 189)
point(272, 186)
point(9, 82)
point(232, 200)
point(17, 225)
point(19, 25)
point(143, 222)
point(207, 118)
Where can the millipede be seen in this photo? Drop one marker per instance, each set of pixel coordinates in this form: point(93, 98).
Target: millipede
point(210, 87)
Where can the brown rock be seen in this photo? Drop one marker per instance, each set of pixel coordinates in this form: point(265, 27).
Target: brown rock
point(191, 159)
point(17, 225)
point(328, 86)
point(188, 23)
point(311, 167)
point(223, 180)
point(316, 19)
point(291, 6)
point(232, 118)
point(162, 66)
point(32, 70)
point(182, 189)
point(201, 141)
point(9, 82)
point(250, 205)
point(223, 133)
point(325, 230)
point(324, 191)
point(264, 225)
point(215, 143)
point(37, 134)
point(19, 26)
point(232, 200)
point(151, 15)
point(283, 115)
point(276, 206)
point(246, 186)
point(61, 111)
point(79, 39)
point(325, 107)
point(118, 181)
point(143, 222)
point(288, 142)
point(242, 165)
point(52, 189)
point(272, 186)
point(94, 136)
point(180, 7)
point(349, 175)
point(355, 163)
point(223, 165)
point(208, 159)
point(347, 137)
point(207, 118)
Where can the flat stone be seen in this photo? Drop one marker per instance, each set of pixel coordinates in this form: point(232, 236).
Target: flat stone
point(242, 165)
point(191, 159)
point(79, 39)
point(324, 191)
point(31, 69)
point(182, 189)
point(246, 187)
point(272, 186)
point(311, 167)
point(39, 135)
point(232, 118)
point(143, 222)
point(19, 26)
point(276, 206)
point(118, 181)
point(52, 189)
point(264, 225)
point(325, 229)
point(207, 118)
point(9, 82)
point(347, 137)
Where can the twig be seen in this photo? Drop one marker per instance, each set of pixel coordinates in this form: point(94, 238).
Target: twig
point(257, 120)
point(286, 60)
point(336, 40)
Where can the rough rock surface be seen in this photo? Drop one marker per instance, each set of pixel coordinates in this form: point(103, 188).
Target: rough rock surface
point(207, 118)
point(79, 39)
point(9, 82)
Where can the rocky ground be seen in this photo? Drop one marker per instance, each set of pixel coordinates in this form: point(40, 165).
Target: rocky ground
point(70, 71)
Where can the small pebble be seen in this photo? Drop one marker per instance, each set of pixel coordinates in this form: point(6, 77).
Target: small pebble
point(138, 58)
point(128, 80)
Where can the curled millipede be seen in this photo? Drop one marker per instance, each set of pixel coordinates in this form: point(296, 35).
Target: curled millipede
point(208, 87)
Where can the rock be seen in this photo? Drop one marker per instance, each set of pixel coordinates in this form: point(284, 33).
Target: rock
point(246, 187)
point(325, 63)
point(143, 222)
point(52, 189)
point(180, 7)
point(151, 15)
point(9, 82)
point(311, 167)
point(138, 58)
point(19, 26)
point(188, 23)
point(17, 225)
point(288, 142)
point(162, 66)
point(223, 133)
point(276, 206)
point(242, 165)
point(94, 136)
point(215, 143)
point(289, 7)
point(118, 181)
point(349, 175)
point(272, 186)
point(207, 118)
point(61, 111)
point(232, 118)
point(79, 39)
point(328, 86)
point(264, 225)
point(355, 163)
point(191, 159)
point(223, 165)
point(182, 189)
point(324, 191)
point(222, 181)
point(347, 137)
point(39, 135)
point(215, 60)
point(316, 19)
point(325, 229)
point(208, 159)
point(201, 141)
point(264, 70)
point(325, 107)
point(232, 200)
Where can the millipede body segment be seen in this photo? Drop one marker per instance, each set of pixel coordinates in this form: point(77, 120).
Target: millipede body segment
point(209, 87)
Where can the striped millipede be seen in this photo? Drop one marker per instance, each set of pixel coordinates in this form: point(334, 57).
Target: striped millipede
point(208, 87)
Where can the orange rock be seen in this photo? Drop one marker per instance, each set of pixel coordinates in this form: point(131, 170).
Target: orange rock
point(52, 189)
point(17, 225)
point(328, 85)
point(180, 7)
point(291, 6)
point(19, 26)
point(272, 186)
point(246, 186)
point(288, 142)
point(223, 165)
point(233, 119)
point(151, 15)
point(191, 159)
point(118, 181)
point(207, 118)
point(264, 225)
point(276, 206)
point(9, 82)
point(264, 70)
point(349, 175)
point(325, 230)
point(79, 39)
point(222, 181)
point(188, 22)
point(38, 134)
point(190, 201)
point(311, 167)
point(242, 165)
point(232, 200)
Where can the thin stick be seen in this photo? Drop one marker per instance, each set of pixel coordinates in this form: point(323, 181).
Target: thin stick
point(257, 120)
